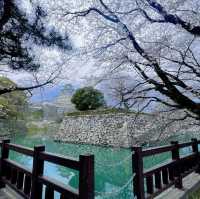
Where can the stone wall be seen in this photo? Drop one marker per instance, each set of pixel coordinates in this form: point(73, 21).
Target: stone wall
point(122, 130)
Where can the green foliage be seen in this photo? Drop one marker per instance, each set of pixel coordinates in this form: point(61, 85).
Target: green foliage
point(33, 128)
point(88, 98)
point(12, 105)
point(36, 114)
point(195, 195)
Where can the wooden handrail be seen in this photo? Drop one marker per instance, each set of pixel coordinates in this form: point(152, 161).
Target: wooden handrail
point(60, 160)
point(20, 149)
point(163, 149)
point(157, 150)
point(185, 144)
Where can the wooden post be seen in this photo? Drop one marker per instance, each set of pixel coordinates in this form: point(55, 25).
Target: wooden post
point(4, 155)
point(86, 177)
point(137, 166)
point(196, 151)
point(38, 168)
point(177, 169)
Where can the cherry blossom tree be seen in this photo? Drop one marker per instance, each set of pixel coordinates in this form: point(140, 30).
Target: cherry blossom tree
point(157, 40)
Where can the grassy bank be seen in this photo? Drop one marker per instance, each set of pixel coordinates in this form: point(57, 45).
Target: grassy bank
point(42, 127)
point(195, 195)
point(100, 112)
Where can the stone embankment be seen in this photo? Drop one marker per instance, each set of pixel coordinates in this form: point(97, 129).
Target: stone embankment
point(120, 130)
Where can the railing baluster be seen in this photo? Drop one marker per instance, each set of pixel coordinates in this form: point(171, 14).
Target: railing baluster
point(27, 184)
point(177, 169)
point(4, 155)
point(20, 180)
point(165, 176)
point(14, 176)
point(62, 196)
point(158, 183)
point(189, 165)
point(8, 172)
point(86, 177)
point(149, 180)
point(49, 192)
point(137, 165)
point(196, 151)
point(38, 168)
point(184, 168)
point(171, 173)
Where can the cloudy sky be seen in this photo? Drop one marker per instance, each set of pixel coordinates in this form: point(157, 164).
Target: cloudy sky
point(79, 69)
point(67, 66)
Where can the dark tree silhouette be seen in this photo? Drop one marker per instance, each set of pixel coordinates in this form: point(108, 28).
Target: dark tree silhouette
point(18, 32)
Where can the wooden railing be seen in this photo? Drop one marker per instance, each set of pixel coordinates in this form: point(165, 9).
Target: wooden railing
point(150, 183)
point(30, 183)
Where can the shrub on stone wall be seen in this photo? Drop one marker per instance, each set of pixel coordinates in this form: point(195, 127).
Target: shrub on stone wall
point(88, 98)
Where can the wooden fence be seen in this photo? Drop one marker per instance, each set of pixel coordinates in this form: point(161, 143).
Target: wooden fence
point(150, 183)
point(30, 183)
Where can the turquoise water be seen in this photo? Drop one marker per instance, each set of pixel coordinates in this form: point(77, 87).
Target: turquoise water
point(112, 165)
point(107, 178)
